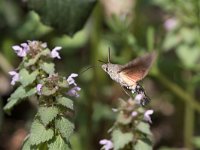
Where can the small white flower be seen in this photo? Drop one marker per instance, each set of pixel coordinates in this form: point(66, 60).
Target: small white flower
point(39, 87)
point(74, 91)
point(107, 144)
point(54, 52)
point(134, 113)
point(15, 77)
point(147, 115)
point(71, 80)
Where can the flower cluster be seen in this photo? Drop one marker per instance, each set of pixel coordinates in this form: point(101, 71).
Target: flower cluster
point(131, 119)
point(34, 47)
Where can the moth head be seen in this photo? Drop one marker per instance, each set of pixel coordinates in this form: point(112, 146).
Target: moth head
point(105, 67)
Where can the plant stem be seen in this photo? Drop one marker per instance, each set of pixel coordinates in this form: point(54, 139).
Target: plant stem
point(178, 91)
point(189, 120)
point(189, 126)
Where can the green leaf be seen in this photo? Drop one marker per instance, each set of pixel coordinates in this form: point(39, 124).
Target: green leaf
point(120, 140)
point(47, 114)
point(66, 102)
point(188, 55)
point(144, 128)
point(124, 119)
point(142, 145)
point(196, 141)
point(58, 144)
point(39, 134)
point(32, 61)
point(26, 78)
point(63, 83)
point(171, 40)
point(48, 91)
point(49, 68)
point(65, 127)
point(67, 16)
point(26, 145)
point(19, 94)
point(31, 92)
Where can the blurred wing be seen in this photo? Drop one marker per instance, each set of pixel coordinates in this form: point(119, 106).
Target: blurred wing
point(138, 68)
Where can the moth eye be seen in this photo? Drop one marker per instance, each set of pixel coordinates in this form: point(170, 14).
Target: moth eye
point(106, 68)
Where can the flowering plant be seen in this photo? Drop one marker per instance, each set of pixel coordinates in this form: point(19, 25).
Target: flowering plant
point(35, 76)
point(131, 130)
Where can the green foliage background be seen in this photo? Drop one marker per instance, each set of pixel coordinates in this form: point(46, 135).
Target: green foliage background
point(172, 84)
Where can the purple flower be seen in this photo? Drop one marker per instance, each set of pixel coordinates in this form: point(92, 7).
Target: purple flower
point(170, 24)
point(107, 144)
point(39, 88)
point(71, 80)
point(54, 52)
point(147, 115)
point(134, 113)
point(74, 91)
point(15, 77)
point(21, 50)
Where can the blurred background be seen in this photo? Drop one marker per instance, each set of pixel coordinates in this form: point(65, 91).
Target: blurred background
point(130, 28)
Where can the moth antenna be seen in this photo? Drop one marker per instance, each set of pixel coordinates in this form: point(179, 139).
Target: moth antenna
point(109, 55)
point(90, 67)
point(102, 61)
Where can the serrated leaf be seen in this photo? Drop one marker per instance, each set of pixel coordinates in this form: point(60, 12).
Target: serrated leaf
point(26, 78)
point(58, 144)
point(26, 145)
point(142, 145)
point(31, 92)
point(47, 91)
point(144, 128)
point(32, 61)
point(66, 102)
point(120, 140)
point(49, 68)
point(20, 92)
point(39, 134)
point(124, 119)
point(65, 127)
point(64, 15)
point(15, 98)
point(47, 114)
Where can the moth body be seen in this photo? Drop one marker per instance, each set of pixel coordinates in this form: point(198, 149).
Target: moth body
point(130, 74)
point(114, 72)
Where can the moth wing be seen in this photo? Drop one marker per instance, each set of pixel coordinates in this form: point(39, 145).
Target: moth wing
point(138, 68)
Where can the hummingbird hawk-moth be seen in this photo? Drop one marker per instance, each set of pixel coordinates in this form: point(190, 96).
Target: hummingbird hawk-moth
point(130, 74)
